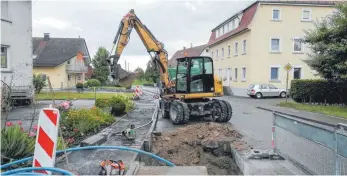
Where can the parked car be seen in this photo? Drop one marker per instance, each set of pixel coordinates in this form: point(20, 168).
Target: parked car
point(265, 90)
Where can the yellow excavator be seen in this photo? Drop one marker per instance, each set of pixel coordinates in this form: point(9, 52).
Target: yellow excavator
point(187, 91)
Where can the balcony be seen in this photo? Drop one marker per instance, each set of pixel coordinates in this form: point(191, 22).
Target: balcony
point(76, 69)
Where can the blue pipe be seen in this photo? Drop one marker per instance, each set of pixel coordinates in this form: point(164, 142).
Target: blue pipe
point(93, 148)
point(15, 171)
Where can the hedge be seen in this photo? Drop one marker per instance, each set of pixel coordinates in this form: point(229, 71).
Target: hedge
point(319, 91)
point(93, 83)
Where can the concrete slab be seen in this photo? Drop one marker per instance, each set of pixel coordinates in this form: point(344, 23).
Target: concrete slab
point(93, 140)
point(167, 170)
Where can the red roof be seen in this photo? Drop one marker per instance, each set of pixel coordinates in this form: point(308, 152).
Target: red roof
point(191, 52)
point(247, 17)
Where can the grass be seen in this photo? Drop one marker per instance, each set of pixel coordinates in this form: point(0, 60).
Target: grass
point(72, 95)
point(141, 82)
point(328, 110)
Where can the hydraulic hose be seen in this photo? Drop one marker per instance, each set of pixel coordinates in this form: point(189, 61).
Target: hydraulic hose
point(16, 171)
point(94, 148)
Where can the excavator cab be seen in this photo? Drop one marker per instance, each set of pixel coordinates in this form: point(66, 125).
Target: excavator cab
point(194, 75)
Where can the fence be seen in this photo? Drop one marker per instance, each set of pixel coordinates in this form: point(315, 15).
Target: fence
point(316, 147)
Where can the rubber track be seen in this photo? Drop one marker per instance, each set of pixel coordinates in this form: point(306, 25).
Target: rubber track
point(180, 113)
point(186, 112)
point(224, 113)
point(229, 110)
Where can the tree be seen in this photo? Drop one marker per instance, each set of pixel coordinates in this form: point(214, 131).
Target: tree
point(39, 82)
point(141, 72)
point(99, 62)
point(328, 41)
point(152, 72)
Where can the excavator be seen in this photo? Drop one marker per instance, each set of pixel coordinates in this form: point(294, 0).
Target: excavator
point(185, 91)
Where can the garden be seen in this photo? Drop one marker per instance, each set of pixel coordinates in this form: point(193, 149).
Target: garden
point(75, 126)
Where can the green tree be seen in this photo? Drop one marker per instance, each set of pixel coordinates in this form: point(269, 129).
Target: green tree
point(152, 72)
point(141, 72)
point(328, 41)
point(39, 82)
point(99, 62)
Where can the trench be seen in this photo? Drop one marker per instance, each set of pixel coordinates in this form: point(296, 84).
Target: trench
point(204, 144)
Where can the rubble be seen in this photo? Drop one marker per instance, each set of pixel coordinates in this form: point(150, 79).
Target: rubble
point(205, 144)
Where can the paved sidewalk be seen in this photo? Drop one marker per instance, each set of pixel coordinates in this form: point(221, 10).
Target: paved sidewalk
point(304, 114)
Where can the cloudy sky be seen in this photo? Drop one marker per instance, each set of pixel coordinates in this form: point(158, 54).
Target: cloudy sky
point(176, 23)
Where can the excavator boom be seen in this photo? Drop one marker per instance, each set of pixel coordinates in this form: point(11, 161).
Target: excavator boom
point(153, 46)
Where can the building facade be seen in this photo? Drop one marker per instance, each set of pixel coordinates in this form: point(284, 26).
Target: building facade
point(16, 46)
point(254, 45)
point(188, 52)
point(64, 60)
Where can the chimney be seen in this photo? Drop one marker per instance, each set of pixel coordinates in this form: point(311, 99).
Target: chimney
point(184, 48)
point(45, 36)
point(191, 45)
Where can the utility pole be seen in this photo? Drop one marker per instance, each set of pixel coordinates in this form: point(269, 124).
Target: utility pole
point(128, 67)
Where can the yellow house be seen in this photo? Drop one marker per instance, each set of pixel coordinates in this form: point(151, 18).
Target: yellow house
point(64, 60)
point(254, 45)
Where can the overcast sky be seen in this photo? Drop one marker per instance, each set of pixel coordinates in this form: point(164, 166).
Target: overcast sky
point(175, 23)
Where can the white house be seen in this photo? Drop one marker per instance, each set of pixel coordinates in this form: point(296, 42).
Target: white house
point(16, 43)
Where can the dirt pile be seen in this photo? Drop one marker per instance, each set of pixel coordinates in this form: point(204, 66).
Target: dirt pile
point(206, 144)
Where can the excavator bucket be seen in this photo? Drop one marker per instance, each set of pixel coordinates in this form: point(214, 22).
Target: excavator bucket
point(122, 78)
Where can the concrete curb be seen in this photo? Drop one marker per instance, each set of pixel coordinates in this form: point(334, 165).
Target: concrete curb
point(145, 144)
point(240, 161)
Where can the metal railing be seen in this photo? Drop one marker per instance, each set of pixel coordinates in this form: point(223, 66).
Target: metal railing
point(76, 69)
point(316, 147)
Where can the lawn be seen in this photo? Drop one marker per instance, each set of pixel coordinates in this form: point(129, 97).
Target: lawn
point(72, 95)
point(328, 110)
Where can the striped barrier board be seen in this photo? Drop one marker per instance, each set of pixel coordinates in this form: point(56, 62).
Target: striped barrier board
point(46, 139)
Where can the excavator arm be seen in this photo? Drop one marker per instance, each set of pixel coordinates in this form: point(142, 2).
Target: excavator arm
point(153, 46)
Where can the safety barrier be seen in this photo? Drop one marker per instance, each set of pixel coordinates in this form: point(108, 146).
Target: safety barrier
point(316, 147)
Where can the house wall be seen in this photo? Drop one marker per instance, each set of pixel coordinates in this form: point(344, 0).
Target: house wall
point(59, 76)
point(289, 27)
point(16, 33)
point(228, 63)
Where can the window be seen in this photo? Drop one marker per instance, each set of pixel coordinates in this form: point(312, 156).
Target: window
point(274, 73)
point(223, 30)
point(69, 77)
point(235, 74)
point(229, 51)
point(208, 66)
point(298, 45)
point(306, 15)
point(297, 73)
point(243, 73)
point(233, 25)
point(4, 9)
point(222, 53)
point(276, 14)
point(244, 44)
point(217, 32)
point(228, 27)
point(236, 22)
point(68, 62)
point(275, 45)
point(272, 86)
point(212, 54)
point(4, 57)
point(79, 77)
point(217, 55)
point(230, 74)
point(264, 86)
point(220, 72)
point(236, 46)
point(220, 32)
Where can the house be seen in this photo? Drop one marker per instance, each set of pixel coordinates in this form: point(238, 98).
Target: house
point(16, 48)
point(255, 44)
point(64, 60)
point(190, 52)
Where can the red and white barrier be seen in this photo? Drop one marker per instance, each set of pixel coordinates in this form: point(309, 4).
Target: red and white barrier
point(138, 91)
point(46, 139)
point(273, 138)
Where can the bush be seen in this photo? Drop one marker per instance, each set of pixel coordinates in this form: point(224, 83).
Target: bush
point(319, 91)
point(77, 123)
point(119, 99)
point(79, 85)
point(39, 82)
point(93, 83)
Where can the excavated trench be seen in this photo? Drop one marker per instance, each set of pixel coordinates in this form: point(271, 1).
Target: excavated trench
point(204, 144)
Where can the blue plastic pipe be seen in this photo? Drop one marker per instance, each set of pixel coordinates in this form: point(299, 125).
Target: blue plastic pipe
point(94, 148)
point(53, 169)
